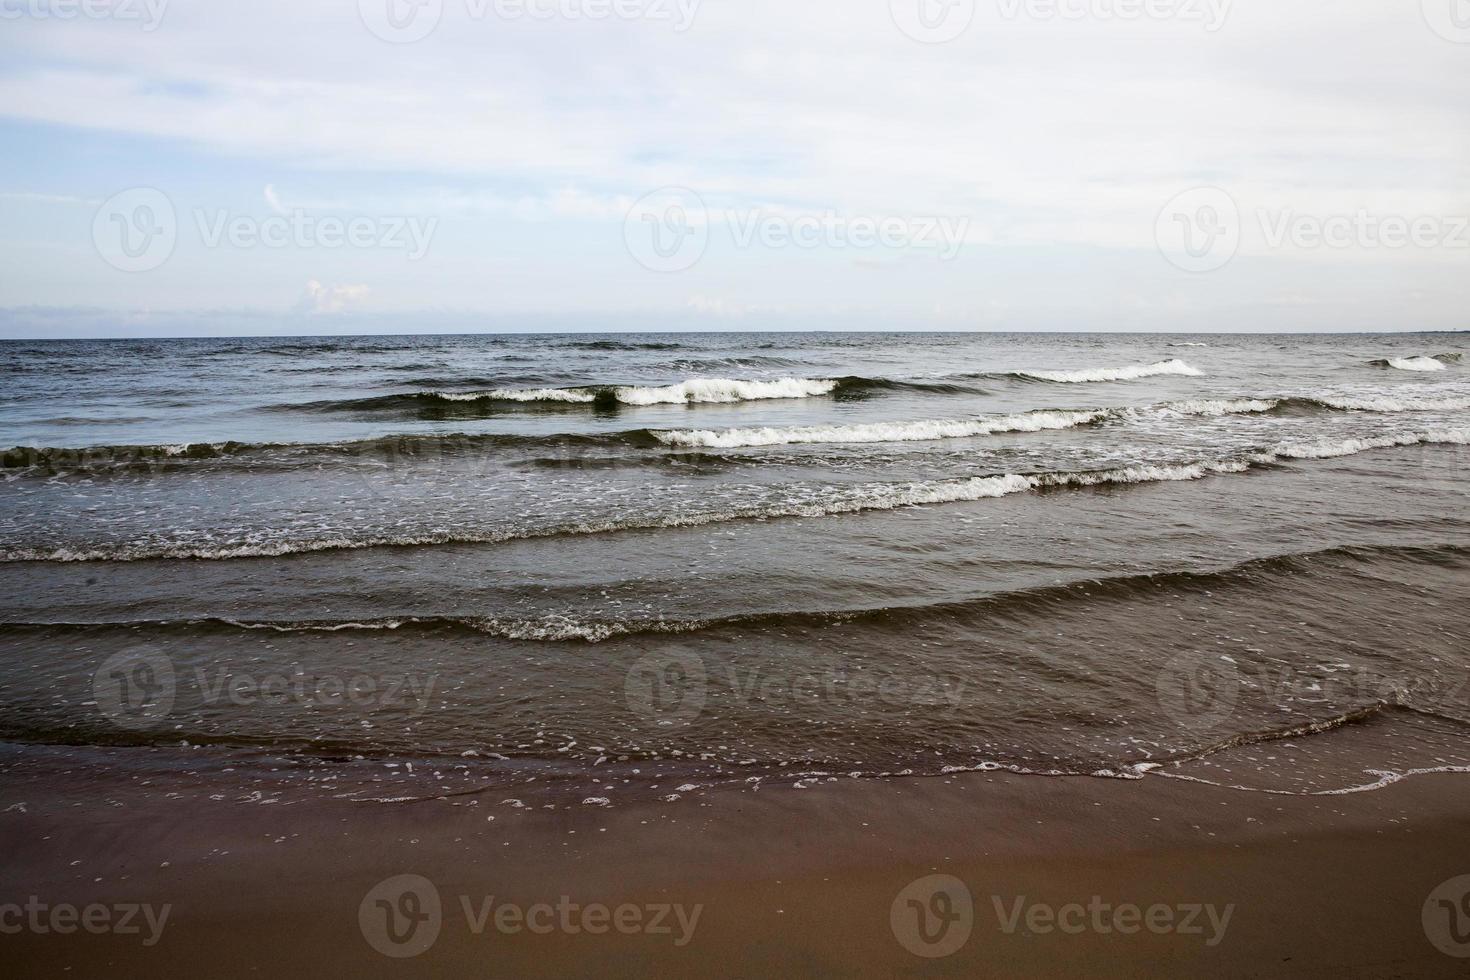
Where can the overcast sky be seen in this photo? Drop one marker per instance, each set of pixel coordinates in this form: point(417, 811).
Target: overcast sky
point(319, 166)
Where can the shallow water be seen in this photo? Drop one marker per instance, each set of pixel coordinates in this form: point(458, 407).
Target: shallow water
point(668, 560)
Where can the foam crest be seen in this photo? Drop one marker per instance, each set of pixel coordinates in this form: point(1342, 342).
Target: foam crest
point(858, 499)
point(1416, 363)
point(696, 391)
point(1128, 373)
point(720, 390)
point(916, 431)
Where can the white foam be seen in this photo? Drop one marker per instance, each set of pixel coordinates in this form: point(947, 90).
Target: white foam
point(694, 391)
point(1416, 364)
point(1129, 373)
point(881, 497)
point(1223, 406)
point(1395, 403)
point(519, 395)
point(1350, 447)
point(916, 431)
point(719, 390)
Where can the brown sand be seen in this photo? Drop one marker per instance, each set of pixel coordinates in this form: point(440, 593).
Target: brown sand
point(792, 882)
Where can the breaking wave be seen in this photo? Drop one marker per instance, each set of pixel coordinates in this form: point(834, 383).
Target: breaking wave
point(1412, 363)
point(1130, 373)
point(916, 431)
point(838, 501)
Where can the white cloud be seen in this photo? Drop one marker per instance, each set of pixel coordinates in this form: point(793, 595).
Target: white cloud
point(318, 298)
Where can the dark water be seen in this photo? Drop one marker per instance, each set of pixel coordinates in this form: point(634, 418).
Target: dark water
point(611, 565)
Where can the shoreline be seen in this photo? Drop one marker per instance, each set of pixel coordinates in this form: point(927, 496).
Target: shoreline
point(775, 880)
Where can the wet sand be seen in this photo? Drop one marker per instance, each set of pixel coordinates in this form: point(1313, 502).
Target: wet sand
point(783, 881)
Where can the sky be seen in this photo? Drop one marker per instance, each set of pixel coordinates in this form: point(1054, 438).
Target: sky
point(210, 167)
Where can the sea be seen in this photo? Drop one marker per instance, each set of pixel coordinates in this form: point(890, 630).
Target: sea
point(566, 570)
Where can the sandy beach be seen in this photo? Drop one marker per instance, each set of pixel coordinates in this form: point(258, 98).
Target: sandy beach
point(1067, 877)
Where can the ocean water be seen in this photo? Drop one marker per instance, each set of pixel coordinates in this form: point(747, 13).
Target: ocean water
point(595, 566)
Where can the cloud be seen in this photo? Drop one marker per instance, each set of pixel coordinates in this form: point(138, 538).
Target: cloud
point(318, 298)
point(272, 199)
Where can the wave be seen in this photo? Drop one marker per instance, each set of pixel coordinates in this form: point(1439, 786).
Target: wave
point(568, 627)
point(925, 430)
point(879, 497)
point(53, 460)
point(1388, 403)
point(616, 345)
point(1130, 373)
point(1410, 363)
point(697, 391)
point(917, 431)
